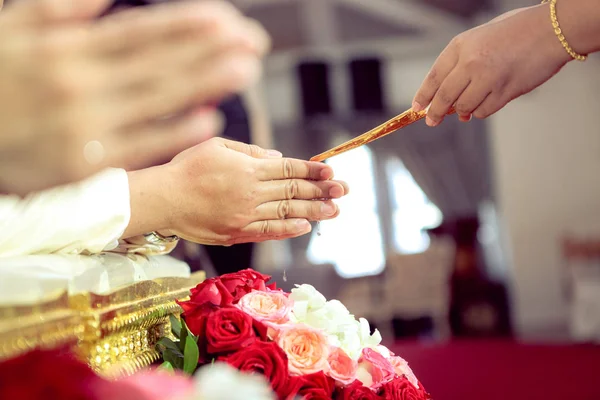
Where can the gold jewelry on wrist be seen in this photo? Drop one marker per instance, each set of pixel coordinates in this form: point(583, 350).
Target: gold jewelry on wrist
point(158, 239)
point(559, 34)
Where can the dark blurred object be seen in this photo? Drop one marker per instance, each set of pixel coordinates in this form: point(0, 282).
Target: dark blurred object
point(479, 307)
point(422, 327)
point(501, 370)
point(367, 93)
point(314, 85)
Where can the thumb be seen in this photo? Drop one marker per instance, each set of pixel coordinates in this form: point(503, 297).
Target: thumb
point(251, 149)
point(42, 12)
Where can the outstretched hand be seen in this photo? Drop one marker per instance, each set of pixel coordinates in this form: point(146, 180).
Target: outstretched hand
point(78, 93)
point(483, 69)
point(223, 192)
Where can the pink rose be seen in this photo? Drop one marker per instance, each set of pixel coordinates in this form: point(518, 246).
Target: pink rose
point(306, 348)
point(270, 307)
point(402, 369)
point(342, 368)
point(400, 365)
point(374, 369)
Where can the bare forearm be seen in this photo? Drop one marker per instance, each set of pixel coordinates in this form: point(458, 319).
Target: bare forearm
point(580, 23)
point(149, 191)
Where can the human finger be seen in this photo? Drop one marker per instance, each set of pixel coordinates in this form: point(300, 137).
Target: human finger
point(449, 91)
point(260, 231)
point(289, 168)
point(302, 189)
point(491, 105)
point(125, 31)
point(306, 209)
point(164, 139)
point(251, 150)
point(470, 99)
point(173, 60)
point(43, 12)
point(227, 74)
point(434, 79)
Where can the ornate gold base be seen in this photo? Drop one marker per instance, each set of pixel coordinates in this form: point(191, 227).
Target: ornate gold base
point(115, 333)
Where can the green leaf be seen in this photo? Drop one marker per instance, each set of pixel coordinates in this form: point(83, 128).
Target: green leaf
point(166, 366)
point(174, 358)
point(190, 355)
point(175, 326)
point(166, 344)
point(183, 338)
point(185, 333)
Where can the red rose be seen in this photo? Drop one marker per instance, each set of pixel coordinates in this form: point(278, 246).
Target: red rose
point(210, 291)
point(265, 358)
point(356, 391)
point(317, 386)
point(240, 283)
point(228, 330)
point(47, 375)
point(195, 317)
point(401, 389)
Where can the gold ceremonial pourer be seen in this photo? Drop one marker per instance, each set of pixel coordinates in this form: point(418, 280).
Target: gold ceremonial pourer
point(406, 118)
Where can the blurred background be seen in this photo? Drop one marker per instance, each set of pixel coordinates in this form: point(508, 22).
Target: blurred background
point(487, 230)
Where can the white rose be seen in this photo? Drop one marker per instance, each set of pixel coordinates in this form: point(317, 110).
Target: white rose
point(341, 327)
point(306, 299)
point(366, 339)
point(220, 381)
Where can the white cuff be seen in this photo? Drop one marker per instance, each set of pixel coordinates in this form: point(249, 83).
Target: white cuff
point(86, 217)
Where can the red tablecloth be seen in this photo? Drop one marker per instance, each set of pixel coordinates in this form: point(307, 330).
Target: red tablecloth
point(490, 370)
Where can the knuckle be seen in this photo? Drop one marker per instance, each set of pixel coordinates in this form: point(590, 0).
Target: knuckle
point(287, 168)
point(444, 98)
point(319, 192)
point(457, 41)
point(266, 227)
point(284, 209)
point(433, 78)
point(291, 189)
point(255, 150)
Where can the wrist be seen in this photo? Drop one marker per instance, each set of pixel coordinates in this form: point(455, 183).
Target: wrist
point(150, 201)
point(579, 22)
point(550, 45)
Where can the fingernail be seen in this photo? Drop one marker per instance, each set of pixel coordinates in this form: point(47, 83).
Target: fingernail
point(431, 122)
point(303, 225)
point(328, 209)
point(274, 154)
point(417, 107)
point(326, 173)
point(336, 192)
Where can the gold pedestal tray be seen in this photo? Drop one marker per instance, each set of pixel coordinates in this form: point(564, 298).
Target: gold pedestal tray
point(115, 333)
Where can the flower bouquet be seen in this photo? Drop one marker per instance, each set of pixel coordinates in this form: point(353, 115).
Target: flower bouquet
point(303, 345)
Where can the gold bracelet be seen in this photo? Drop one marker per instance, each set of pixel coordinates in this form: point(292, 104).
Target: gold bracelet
point(559, 33)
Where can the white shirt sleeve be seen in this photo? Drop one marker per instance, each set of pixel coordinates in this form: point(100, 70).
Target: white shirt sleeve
point(82, 218)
